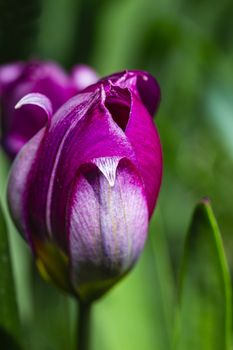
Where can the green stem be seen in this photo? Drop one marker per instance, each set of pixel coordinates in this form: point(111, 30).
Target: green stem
point(83, 332)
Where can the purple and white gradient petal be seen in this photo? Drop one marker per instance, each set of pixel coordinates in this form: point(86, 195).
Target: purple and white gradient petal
point(107, 226)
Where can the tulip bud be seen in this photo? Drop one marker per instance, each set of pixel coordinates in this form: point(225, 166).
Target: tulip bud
point(82, 190)
point(19, 79)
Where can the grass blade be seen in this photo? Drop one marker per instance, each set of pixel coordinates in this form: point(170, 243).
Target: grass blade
point(205, 290)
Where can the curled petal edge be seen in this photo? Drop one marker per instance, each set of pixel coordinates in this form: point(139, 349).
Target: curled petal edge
point(36, 99)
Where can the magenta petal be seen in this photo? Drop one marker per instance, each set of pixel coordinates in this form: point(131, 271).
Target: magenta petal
point(31, 113)
point(133, 118)
point(107, 225)
point(144, 138)
point(141, 83)
point(38, 100)
point(18, 185)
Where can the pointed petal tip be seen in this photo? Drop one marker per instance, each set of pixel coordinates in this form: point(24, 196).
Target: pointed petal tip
point(36, 99)
point(108, 167)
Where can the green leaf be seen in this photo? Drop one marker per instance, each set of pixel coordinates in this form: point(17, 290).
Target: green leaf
point(9, 320)
point(18, 26)
point(205, 290)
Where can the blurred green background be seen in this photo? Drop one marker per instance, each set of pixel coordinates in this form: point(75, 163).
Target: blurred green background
point(188, 47)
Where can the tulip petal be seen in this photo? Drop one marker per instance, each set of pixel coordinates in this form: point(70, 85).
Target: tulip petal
point(133, 118)
point(36, 99)
point(108, 167)
point(82, 130)
point(30, 114)
point(23, 165)
point(144, 138)
point(18, 184)
point(141, 83)
point(107, 226)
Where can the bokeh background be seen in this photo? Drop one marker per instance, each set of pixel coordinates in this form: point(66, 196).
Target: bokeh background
point(187, 46)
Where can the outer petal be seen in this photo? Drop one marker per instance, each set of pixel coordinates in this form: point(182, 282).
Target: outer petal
point(19, 178)
point(143, 136)
point(36, 105)
point(24, 165)
point(36, 99)
point(107, 225)
point(130, 114)
point(140, 83)
point(81, 131)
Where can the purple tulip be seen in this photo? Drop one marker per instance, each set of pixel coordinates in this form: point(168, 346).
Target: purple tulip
point(82, 190)
point(19, 79)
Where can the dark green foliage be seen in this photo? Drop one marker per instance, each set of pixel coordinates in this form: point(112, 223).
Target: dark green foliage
point(18, 27)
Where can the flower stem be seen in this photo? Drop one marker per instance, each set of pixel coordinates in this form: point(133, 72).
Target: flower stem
point(83, 331)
